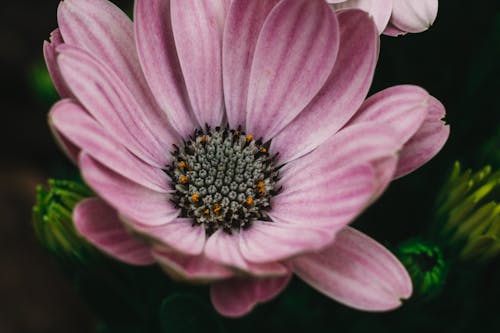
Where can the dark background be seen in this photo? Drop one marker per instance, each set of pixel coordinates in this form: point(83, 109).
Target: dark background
point(457, 61)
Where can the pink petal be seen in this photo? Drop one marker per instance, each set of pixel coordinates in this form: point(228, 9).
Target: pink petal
point(385, 169)
point(244, 23)
point(391, 30)
point(81, 129)
point(414, 16)
point(197, 28)
point(274, 241)
point(196, 269)
point(356, 271)
point(160, 64)
point(238, 296)
point(129, 198)
point(294, 56)
point(103, 30)
point(380, 10)
point(324, 196)
point(402, 107)
point(223, 248)
point(49, 53)
point(179, 235)
point(67, 147)
point(103, 94)
point(100, 225)
point(342, 94)
point(427, 142)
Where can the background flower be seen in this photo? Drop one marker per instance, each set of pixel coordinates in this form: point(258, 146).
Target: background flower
point(395, 17)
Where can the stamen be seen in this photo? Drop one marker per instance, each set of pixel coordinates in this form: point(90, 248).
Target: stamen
point(223, 179)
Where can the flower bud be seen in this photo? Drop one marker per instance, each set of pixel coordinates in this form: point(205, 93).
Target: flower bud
point(426, 265)
point(52, 219)
point(468, 215)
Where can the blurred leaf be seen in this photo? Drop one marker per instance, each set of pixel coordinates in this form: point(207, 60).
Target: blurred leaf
point(183, 313)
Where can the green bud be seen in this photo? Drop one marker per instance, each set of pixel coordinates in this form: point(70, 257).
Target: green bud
point(425, 264)
point(52, 219)
point(468, 214)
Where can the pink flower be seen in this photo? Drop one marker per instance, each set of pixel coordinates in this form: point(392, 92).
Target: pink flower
point(395, 17)
point(233, 141)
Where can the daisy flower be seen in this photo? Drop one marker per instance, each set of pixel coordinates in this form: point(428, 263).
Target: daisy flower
point(230, 142)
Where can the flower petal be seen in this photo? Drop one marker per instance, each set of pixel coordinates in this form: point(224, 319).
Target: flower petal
point(414, 16)
point(403, 107)
point(179, 235)
point(325, 197)
point(103, 94)
point(49, 53)
point(294, 56)
point(129, 198)
point(277, 240)
point(197, 29)
point(237, 297)
point(342, 94)
point(103, 30)
point(357, 271)
point(75, 124)
point(194, 269)
point(427, 142)
point(100, 225)
point(380, 10)
point(244, 23)
point(160, 64)
point(223, 248)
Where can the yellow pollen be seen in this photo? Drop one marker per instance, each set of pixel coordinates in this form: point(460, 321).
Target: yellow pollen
point(181, 165)
point(195, 197)
point(249, 201)
point(249, 137)
point(206, 211)
point(217, 208)
point(260, 185)
point(183, 179)
point(263, 150)
point(262, 191)
point(203, 139)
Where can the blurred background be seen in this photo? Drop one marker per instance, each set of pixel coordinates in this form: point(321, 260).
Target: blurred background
point(457, 60)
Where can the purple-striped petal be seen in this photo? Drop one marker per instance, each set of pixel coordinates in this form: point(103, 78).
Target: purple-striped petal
point(343, 93)
point(197, 28)
point(194, 269)
point(244, 23)
point(223, 248)
point(75, 124)
point(109, 101)
point(277, 240)
point(160, 64)
point(323, 196)
point(50, 55)
point(103, 30)
point(131, 199)
point(179, 235)
point(427, 142)
point(402, 107)
point(294, 56)
point(238, 296)
point(357, 271)
point(414, 16)
point(380, 10)
point(100, 225)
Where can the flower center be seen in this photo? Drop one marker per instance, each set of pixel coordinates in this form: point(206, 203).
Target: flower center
point(223, 178)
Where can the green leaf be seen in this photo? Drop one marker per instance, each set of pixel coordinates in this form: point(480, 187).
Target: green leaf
point(181, 313)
